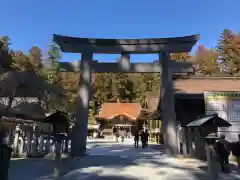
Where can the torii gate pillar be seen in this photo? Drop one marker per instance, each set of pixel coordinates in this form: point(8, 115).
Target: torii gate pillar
point(167, 105)
point(80, 129)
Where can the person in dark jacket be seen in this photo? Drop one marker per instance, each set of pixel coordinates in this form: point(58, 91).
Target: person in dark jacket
point(143, 139)
point(235, 147)
point(146, 135)
point(122, 135)
point(136, 138)
point(5, 154)
point(222, 148)
point(117, 135)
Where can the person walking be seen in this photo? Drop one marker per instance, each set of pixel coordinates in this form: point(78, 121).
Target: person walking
point(117, 135)
point(143, 139)
point(236, 150)
point(122, 134)
point(146, 135)
point(136, 138)
point(5, 154)
point(125, 133)
point(222, 148)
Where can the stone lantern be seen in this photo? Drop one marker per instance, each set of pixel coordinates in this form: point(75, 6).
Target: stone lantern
point(60, 124)
point(205, 128)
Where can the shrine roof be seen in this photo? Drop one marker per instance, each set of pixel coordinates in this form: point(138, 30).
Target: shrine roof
point(212, 119)
point(150, 45)
point(152, 109)
point(193, 87)
point(150, 115)
point(152, 99)
point(22, 107)
point(196, 85)
point(59, 117)
point(200, 84)
point(111, 110)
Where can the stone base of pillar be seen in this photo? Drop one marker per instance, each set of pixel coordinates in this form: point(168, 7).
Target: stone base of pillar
point(170, 140)
point(78, 146)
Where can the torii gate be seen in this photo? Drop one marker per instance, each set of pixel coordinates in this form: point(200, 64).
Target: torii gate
point(162, 46)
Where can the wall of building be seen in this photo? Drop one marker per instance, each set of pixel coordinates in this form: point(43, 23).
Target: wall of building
point(227, 105)
point(188, 108)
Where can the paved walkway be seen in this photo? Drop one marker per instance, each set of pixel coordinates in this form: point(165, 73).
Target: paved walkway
point(123, 162)
point(111, 161)
point(41, 169)
point(30, 169)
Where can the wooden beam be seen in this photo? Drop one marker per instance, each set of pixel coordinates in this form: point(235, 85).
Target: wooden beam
point(119, 67)
point(133, 46)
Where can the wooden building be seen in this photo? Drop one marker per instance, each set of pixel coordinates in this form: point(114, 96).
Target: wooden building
point(118, 115)
point(189, 98)
point(151, 116)
point(189, 103)
point(189, 94)
point(25, 108)
point(23, 123)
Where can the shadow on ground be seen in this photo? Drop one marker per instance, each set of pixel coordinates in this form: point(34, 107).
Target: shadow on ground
point(30, 169)
point(118, 163)
point(130, 167)
point(233, 175)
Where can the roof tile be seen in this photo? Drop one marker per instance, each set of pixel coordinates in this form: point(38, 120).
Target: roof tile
point(110, 110)
point(199, 85)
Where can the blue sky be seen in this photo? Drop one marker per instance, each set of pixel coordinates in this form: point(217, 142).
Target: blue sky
point(32, 23)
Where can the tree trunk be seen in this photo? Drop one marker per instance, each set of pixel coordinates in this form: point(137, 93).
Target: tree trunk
point(10, 101)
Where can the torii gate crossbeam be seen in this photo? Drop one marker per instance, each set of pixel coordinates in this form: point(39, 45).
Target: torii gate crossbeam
point(125, 66)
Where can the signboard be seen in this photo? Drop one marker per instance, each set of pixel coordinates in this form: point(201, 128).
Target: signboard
point(227, 105)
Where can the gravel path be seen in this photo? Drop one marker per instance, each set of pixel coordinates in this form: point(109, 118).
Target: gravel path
point(111, 161)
